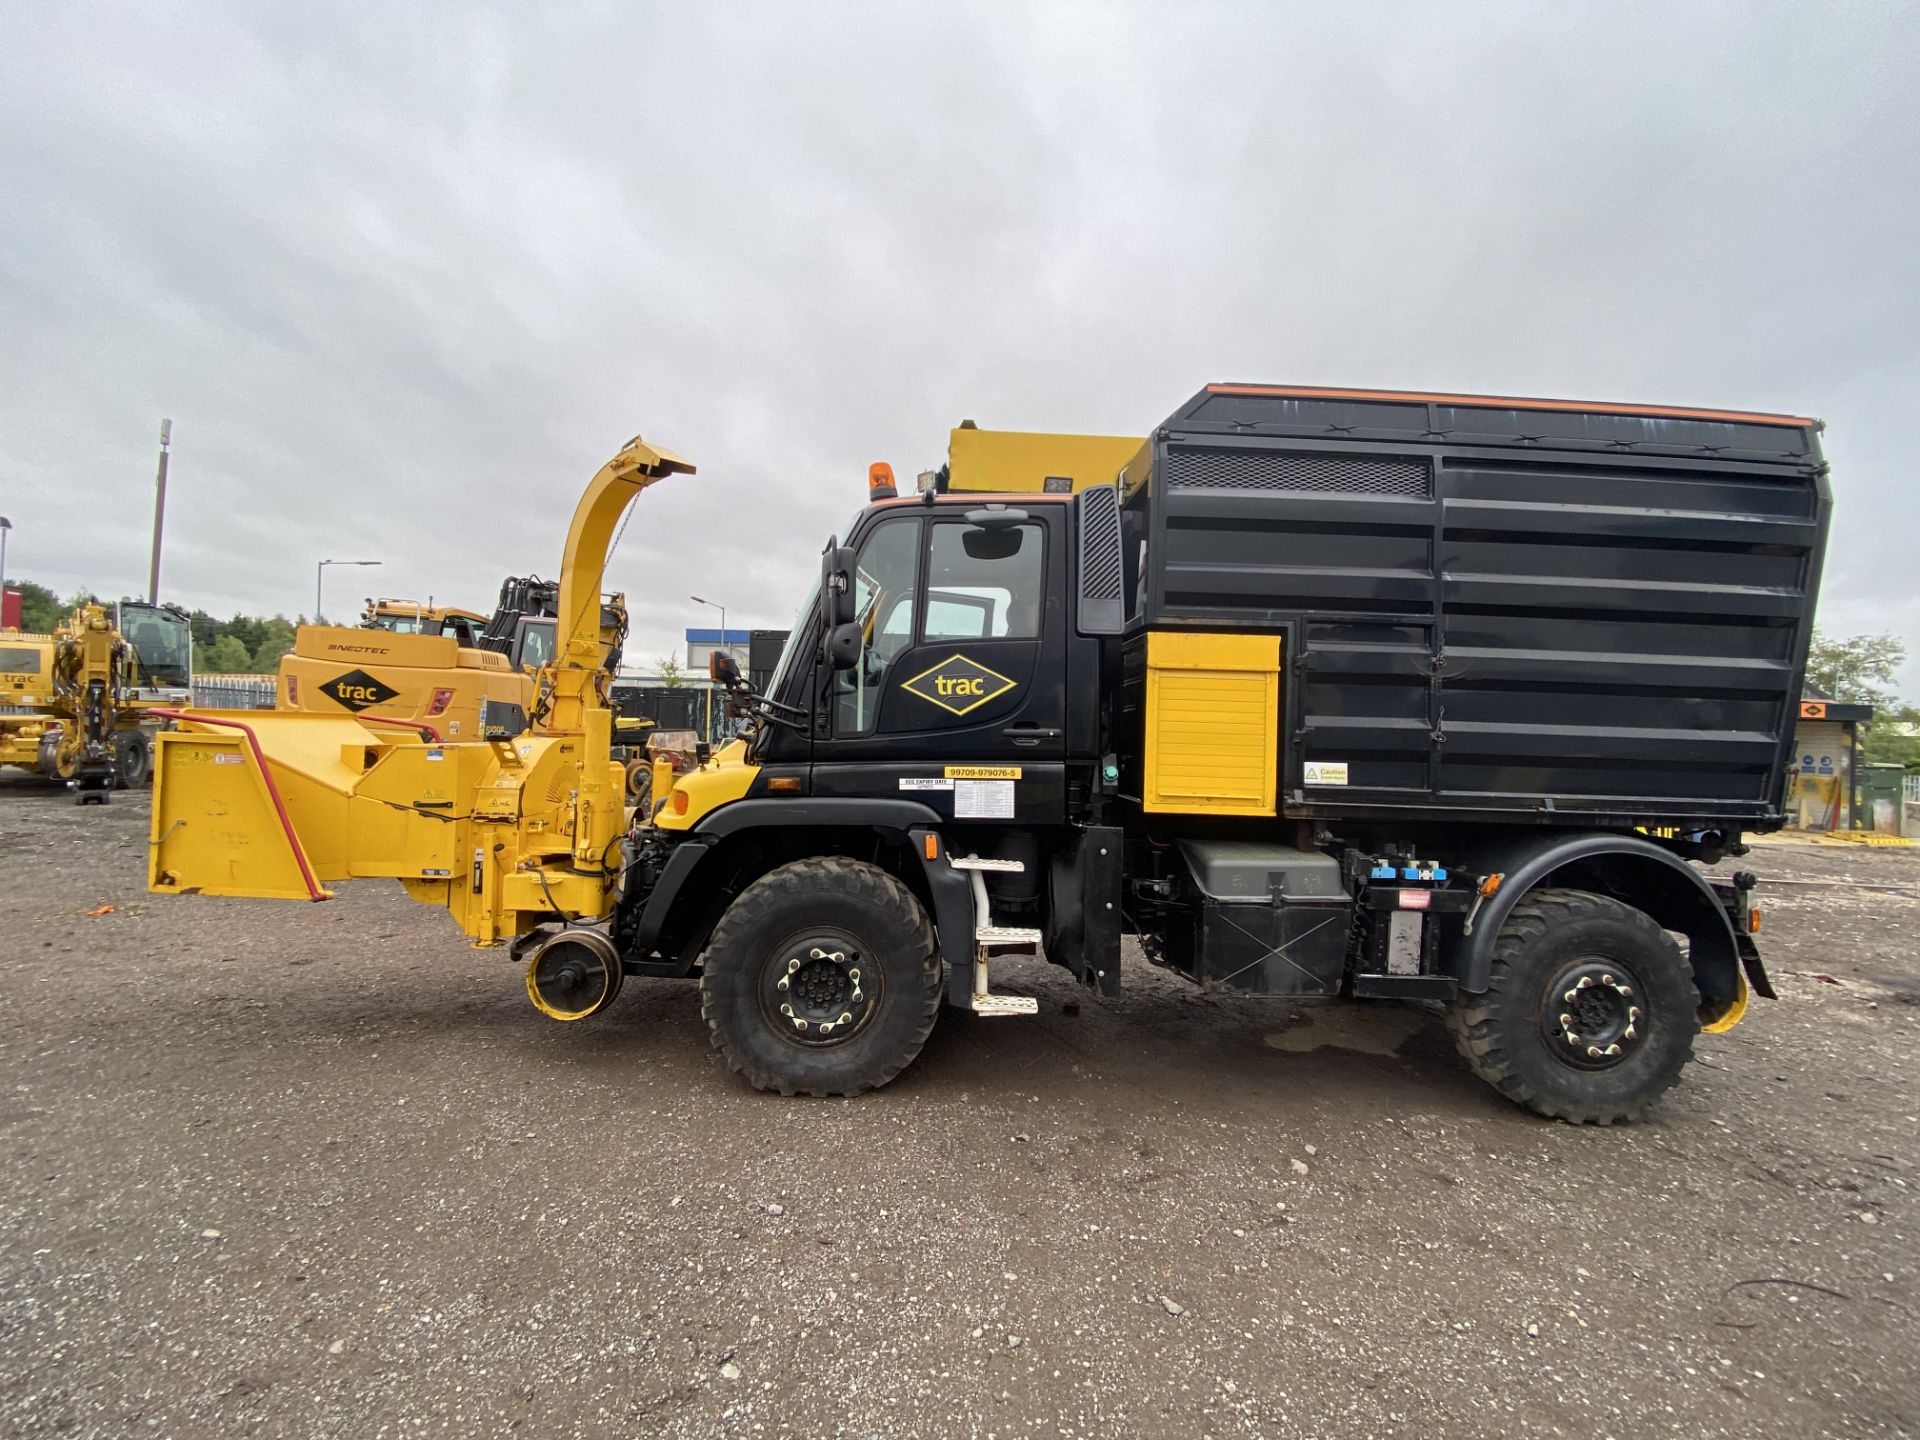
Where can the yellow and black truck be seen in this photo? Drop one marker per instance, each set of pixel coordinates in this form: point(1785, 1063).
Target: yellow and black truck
point(1328, 694)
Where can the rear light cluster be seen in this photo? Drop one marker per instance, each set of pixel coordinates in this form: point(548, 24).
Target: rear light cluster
point(441, 700)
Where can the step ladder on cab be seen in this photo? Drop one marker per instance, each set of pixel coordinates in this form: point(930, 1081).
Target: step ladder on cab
point(989, 938)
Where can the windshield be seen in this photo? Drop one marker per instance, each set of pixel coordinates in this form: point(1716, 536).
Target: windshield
point(161, 642)
point(401, 624)
point(792, 647)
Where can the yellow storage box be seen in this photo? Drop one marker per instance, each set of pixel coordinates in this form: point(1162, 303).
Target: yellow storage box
point(1213, 724)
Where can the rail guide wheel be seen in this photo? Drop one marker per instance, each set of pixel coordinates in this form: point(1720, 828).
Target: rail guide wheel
point(575, 974)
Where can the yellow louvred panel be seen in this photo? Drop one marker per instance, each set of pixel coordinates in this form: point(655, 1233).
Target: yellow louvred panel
point(1213, 724)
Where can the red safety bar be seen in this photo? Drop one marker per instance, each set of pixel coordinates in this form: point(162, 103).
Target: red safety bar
point(314, 892)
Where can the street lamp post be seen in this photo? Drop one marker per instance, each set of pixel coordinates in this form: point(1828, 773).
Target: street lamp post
point(716, 605)
point(5, 526)
point(159, 512)
point(320, 579)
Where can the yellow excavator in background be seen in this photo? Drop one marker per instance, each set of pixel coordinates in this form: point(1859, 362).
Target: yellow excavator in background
point(79, 704)
point(410, 617)
point(435, 665)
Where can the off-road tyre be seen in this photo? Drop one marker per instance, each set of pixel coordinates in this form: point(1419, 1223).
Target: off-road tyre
point(132, 760)
point(1512, 1036)
point(840, 908)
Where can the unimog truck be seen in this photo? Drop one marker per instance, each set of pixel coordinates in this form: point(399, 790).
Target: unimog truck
point(1331, 694)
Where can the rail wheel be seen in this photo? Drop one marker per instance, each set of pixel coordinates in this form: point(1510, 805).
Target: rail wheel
point(1589, 1013)
point(821, 979)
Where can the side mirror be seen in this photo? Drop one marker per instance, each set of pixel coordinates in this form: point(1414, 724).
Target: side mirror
point(722, 669)
point(843, 645)
point(841, 565)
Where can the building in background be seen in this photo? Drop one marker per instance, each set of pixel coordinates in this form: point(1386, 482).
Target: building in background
point(1821, 780)
point(702, 643)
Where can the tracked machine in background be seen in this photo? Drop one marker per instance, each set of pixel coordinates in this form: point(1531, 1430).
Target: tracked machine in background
point(78, 705)
point(1329, 694)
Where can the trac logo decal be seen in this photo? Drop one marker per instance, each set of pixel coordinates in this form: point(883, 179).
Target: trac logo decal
point(958, 684)
point(358, 690)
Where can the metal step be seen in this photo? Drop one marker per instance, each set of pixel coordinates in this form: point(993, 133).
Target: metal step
point(1005, 935)
point(1004, 1005)
point(974, 862)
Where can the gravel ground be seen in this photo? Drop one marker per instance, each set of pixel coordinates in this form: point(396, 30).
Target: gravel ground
point(321, 1170)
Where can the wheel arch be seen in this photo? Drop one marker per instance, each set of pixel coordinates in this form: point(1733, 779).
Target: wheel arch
point(739, 843)
point(1628, 868)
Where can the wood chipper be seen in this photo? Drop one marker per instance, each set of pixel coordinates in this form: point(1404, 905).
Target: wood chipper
point(1325, 694)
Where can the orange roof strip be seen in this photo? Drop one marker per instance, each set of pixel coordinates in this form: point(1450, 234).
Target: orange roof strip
point(978, 498)
point(1513, 402)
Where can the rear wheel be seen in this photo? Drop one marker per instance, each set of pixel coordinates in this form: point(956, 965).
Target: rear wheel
point(821, 979)
point(1589, 1013)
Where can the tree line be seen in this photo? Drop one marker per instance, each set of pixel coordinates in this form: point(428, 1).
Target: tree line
point(242, 645)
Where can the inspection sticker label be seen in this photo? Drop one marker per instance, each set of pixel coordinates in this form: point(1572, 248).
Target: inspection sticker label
point(1326, 772)
point(926, 783)
point(983, 800)
point(220, 759)
point(983, 772)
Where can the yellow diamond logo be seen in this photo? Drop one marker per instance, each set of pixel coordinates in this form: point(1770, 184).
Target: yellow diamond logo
point(958, 684)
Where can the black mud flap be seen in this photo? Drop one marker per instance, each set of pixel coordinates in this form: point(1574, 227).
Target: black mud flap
point(1756, 972)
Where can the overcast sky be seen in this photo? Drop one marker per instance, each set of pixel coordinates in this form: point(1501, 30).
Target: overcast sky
point(403, 276)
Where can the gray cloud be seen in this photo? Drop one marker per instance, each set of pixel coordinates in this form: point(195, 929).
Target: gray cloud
point(403, 281)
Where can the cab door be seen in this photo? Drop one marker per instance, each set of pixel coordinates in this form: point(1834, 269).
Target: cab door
point(958, 697)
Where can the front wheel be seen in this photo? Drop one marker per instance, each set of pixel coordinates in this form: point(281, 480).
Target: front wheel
point(821, 979)
point(1589, 1013)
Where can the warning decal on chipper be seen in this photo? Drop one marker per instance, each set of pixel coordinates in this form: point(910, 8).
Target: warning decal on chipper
point(958, 684)
point(358, 690)
point(1326, 772)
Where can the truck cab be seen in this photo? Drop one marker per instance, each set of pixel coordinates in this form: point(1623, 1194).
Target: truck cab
point(962, 659)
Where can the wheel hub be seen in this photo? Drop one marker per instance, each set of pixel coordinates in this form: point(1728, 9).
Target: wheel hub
point(819, 990)
point(1594, 1014)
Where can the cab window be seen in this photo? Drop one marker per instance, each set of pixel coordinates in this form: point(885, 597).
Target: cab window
point(536, 644)
point(883, 608)
point(984, 582)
